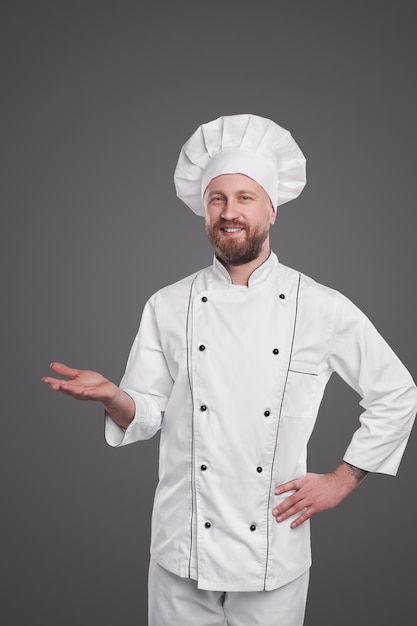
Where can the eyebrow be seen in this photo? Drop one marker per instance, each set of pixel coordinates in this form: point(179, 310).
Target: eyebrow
point(238, 193)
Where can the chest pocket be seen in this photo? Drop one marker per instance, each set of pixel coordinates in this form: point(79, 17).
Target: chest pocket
point(300, 389)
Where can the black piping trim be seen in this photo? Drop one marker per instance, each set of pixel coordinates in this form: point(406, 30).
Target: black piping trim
point(192, 423)
point(277, 432)
point(306, 373)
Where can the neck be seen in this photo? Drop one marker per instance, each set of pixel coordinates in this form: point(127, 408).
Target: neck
point(240, 274)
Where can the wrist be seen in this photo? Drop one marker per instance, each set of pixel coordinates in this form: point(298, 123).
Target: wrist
point(120, 408)
point(356, 472)
point(114, 399)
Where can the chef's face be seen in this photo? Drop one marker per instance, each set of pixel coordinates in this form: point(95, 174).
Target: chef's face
point(239, 213)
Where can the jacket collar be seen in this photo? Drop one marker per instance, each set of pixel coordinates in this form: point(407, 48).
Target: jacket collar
point(263, 273)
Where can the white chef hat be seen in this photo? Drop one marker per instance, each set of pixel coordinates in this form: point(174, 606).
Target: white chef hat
point(240, 144)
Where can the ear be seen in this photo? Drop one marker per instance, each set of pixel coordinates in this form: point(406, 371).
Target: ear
point(273, 215)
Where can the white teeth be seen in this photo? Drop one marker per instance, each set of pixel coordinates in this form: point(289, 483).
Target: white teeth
point(231, 230)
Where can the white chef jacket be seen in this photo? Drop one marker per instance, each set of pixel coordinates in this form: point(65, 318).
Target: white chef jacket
point(234, 376)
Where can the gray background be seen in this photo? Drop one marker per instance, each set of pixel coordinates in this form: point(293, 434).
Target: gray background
point(98, 98)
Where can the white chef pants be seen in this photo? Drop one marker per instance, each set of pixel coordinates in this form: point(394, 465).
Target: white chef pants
point(175, 601)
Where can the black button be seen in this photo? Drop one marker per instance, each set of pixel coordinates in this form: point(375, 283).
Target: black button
point(204, 299)
point(259, 470)
point(201, 348)
point(203, 468)
point(275, 350)
point(267, 413)
point(207, 524)
point(252, 527)
point(282, 296)
point(203, 407)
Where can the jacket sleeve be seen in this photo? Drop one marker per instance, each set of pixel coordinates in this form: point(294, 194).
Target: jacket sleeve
point(147, 380)
point(365, 361)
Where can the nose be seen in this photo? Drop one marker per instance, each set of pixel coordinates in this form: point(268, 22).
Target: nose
point(229, 211)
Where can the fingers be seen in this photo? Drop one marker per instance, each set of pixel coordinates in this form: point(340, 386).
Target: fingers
point(292, 485)
point(63, 370)
point(58, 384)
point(289, 507)
point(71, 389)
point(312, 494)
point(54, 383)
point(301, 518)
point(298, 507)
point(292, 504)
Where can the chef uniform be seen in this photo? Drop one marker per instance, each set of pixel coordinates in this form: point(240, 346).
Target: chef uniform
point(233, 376)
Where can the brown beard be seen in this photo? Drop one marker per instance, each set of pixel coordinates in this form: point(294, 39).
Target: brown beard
point(233, 251)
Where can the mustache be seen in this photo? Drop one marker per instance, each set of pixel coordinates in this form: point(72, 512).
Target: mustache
point(235, 223)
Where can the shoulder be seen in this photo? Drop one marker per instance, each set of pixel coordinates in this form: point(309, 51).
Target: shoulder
point(178, 293)
point(308, 287)
point(316, 300)
point(330, 304)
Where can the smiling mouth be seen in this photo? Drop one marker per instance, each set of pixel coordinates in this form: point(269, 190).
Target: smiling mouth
point(232, 230)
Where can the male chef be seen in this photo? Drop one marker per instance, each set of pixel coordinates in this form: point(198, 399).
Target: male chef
point(231, 364)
